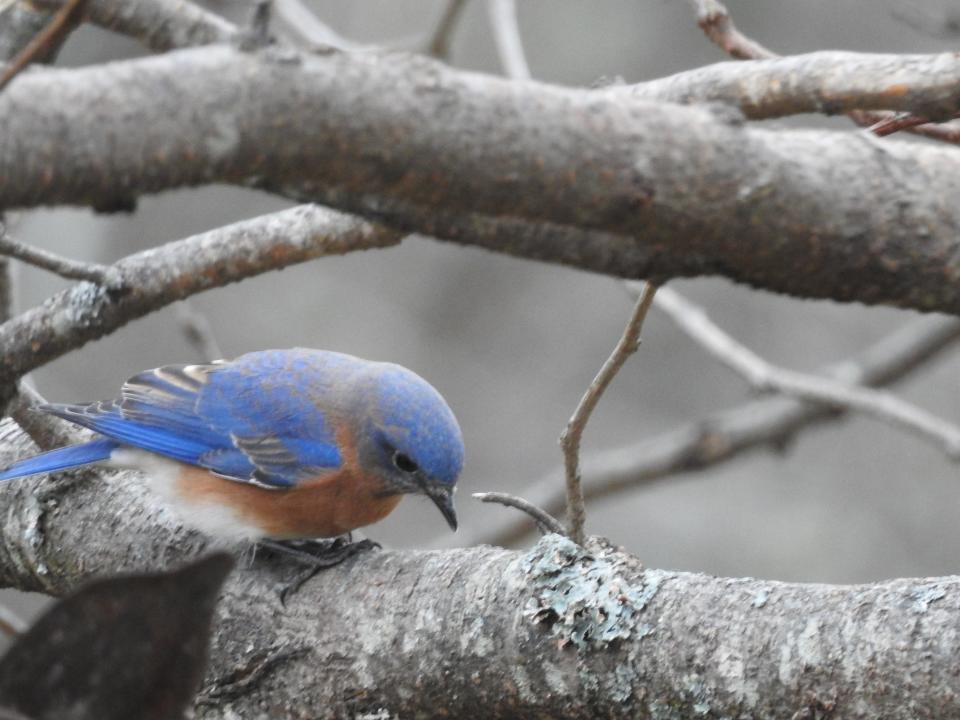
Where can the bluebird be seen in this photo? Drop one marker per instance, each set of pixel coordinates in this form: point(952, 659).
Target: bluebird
point(282, 444)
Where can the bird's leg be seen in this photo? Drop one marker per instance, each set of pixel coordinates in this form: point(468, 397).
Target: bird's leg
point(315, 555)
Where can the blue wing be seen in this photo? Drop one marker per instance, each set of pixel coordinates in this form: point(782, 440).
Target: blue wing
point(251, 420)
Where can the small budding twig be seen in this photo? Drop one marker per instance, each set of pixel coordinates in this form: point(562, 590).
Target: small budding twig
point(765, 376)
point(64, 267)
point(545, 521)
point(572, 434)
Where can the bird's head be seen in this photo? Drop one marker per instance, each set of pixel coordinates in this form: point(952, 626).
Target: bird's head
point(413, 441)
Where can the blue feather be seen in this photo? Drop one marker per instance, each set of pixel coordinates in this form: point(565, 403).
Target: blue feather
point(251, 419)
point(61, 459)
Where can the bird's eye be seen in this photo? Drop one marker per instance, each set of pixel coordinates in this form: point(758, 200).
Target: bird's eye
point(404, 463)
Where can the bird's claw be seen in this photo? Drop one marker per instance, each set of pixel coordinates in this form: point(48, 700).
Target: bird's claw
point(315, 555)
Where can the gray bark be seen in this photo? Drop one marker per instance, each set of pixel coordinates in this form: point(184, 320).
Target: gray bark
point(157, 277)
point(456, 155)
point(553, 631)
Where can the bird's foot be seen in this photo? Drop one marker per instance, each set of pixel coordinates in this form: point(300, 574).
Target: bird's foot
point(314, 555)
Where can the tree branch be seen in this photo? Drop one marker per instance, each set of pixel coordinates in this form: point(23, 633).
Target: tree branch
point(160, 276)
point(46, 42)
point(546, 521)
point(573, 432)
point(766, 377)
point(827, 82)
point(769, 423)
point(558, 631)
point(506, 34)
point(64, 267)
point(160, 25)
point(439, 43)
point(715, 21)
point(667, 184)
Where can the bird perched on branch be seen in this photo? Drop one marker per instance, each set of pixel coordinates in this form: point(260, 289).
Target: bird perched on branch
point(277, 444)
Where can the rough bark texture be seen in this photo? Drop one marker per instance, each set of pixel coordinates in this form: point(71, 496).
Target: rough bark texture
point(552, 631)
point(812, 213)
point(822, 82)
point(159, 276)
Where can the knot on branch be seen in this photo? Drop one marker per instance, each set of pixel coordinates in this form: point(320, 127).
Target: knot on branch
point(583, 597)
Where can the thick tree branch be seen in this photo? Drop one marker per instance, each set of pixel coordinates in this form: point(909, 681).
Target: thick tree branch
point(402, 138)
point(159, 276)
point(770, 423)
point(555, 631)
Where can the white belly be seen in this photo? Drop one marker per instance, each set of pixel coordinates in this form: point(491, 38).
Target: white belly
point(162, 476)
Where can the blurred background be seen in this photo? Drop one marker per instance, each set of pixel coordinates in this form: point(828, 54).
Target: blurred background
point(513, 344)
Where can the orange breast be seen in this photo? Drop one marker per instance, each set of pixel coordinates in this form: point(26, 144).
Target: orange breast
point(329, 506)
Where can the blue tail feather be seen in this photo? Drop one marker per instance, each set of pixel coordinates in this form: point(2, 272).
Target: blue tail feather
point(61, 459)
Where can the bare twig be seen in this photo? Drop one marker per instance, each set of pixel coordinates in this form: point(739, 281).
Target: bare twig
point(47, 41)
point(197, 331)
point(545, 521)
point(572, 434)
point(160, 276)
point(304, 23)
point(439, 44)
point(715, 21)
point(771, 422)
point(506, 34)
point(765, 376)
point(64, 267)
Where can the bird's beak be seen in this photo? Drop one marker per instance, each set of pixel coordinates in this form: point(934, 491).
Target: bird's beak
point(442, 497)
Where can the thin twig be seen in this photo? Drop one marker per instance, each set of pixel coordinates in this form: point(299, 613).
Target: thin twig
point(506, 34)
point(545, 521)
point(439, 43)
point(59, 265)
point(762, 424)
point(59, 26)
point(304, 23)
point(572, 434)
point(715, 21)
point(197, 331)
point(765, 376)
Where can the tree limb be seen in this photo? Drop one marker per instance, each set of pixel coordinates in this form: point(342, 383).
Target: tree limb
point(715, 21)
point(827, 82)
point(159, 276)
point(160, 25)
point(556, 631)
point(764, 376)
point(62, 266)
point(443, 152)
point(769, 423)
